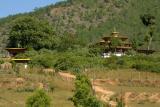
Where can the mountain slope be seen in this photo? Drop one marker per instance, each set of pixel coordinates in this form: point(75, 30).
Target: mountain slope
point(89, 20)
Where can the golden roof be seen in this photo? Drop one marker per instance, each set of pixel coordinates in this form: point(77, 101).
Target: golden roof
point(27, 59)
point(15, 48)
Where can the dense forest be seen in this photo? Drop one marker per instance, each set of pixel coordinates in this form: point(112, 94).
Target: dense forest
point(61, 35)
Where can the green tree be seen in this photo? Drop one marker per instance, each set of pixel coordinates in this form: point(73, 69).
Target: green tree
point(137, 41)
point(83, 96)
point(64, 63)
point(38, 99)
point(67, 41)
point(31, 32)
point(149, 21)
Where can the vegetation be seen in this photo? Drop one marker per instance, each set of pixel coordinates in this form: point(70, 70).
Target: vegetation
point(83, 96)
point(72, 28)
point(147, 63)
point(1, 61)
point(149, 21)
point(32, 33)
point(99, 17)
point(39, 99)
point(83, 58)
point(62, 36)
point(120, 103)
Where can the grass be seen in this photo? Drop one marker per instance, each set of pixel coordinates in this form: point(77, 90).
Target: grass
point(126, 75)
point(145, 105)
point(9, 97)
point(63, 90)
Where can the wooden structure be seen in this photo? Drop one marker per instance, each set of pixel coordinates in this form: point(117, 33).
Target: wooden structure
point(14, 51)
point(21, 60)
point(122, 47)
point(145, 51)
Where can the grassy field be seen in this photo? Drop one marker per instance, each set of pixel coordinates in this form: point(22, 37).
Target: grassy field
point(10, 97)
point(129, 81)
point(126, 74)
point(13, 94)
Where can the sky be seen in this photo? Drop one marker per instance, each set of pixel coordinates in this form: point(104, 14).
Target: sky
point(11, 7)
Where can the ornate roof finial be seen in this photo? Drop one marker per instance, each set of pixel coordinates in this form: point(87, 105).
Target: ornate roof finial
point(115, 33)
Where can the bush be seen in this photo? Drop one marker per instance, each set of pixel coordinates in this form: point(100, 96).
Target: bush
point(38, 99)
point(64, 63)
point(147, 66)
point(83, 96)
point(146, 63)
point(25, 89)
point(115, 62)
point(1, 61)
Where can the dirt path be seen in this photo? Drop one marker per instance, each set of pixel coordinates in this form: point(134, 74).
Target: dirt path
point(67, 76)
point(105, 94)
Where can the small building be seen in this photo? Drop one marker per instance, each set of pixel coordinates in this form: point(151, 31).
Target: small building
point(145, 51)
point(21, 60)
point(123, 45)
point(12, 52)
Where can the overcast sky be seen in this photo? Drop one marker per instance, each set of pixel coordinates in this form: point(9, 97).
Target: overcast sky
point(11, 7)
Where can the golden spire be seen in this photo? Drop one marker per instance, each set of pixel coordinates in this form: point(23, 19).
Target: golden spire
point(115, 33)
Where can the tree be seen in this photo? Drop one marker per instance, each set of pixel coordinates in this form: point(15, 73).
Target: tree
point(31, 32)
point(38, 99)
point(67, 41)
point(83, 96)
point(137, 40)
point(149, 21)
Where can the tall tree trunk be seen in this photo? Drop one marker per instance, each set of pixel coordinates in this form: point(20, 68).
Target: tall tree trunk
point(150, 42)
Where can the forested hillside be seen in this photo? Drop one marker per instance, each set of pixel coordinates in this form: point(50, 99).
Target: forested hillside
point(88, 20)
point(61, 44)
point(61, 36)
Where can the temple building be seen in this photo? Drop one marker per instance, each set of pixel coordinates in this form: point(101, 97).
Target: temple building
point(115, 44)
point(12, 52)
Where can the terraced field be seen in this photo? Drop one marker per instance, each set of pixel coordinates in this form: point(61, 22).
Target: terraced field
point(108, 85)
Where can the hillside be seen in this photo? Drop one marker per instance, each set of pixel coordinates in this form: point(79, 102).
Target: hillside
point(54, 56)
point(89, 20)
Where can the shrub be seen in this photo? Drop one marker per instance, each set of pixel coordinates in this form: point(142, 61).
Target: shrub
point(64, 63)
point(26, 89)
point(146, 66)
point(111, 62)
point(38, 99)
point(83, 96)
point(1, 61)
